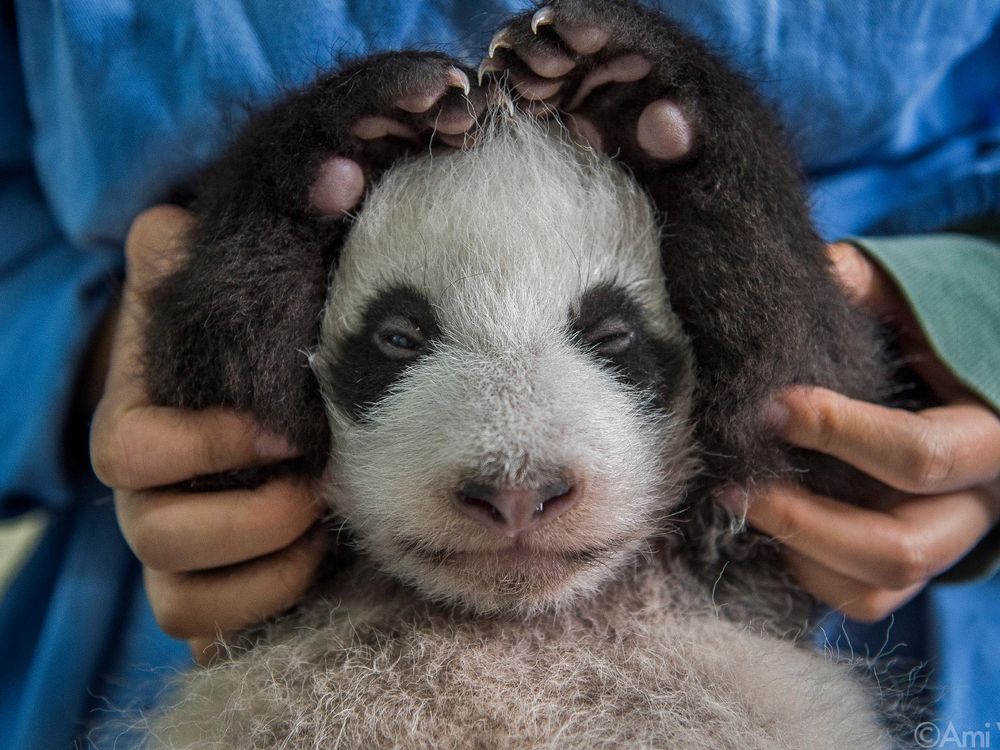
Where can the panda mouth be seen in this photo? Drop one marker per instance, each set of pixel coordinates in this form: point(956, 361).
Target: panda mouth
point(516, 555)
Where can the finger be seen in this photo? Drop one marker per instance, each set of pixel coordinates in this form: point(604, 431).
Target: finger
point(855, 599)
point(183, 531)
point(152, 446)
point(935, 450)
point(134, 445)
point(863, 281)
point(98, 360)
point(868, 285)
point(153, 249)
point(916, 539)
point(154, 243)
point(191, 605)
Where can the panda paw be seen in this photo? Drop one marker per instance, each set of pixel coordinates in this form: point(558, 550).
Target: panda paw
point(418, 98)
point(389, 106)
point(602, 67)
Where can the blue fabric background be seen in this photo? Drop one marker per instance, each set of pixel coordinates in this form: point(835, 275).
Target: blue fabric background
point(107, 104)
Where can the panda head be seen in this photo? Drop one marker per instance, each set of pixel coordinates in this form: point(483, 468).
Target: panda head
point(507, 388)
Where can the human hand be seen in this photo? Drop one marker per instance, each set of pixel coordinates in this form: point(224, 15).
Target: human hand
point(868, 563)
point(217, 561)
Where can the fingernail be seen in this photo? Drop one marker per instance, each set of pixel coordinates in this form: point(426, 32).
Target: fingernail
point(272, 445)
point(776, 415)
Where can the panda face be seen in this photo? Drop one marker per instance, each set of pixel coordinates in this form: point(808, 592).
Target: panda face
point(507, 388)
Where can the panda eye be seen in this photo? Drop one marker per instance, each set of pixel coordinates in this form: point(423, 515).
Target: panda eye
point(400, 338)
point(611, 337)
point(401, 341)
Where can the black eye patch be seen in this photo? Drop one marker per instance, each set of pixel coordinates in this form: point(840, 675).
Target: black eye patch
point(610, 325)
point(394, 320)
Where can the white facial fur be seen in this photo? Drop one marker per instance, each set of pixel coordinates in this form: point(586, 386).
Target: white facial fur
point(503, 240)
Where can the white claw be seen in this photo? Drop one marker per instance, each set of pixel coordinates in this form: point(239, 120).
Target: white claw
point(458, 79)
point(544, 16)
point(488, 65)
point(500, 39)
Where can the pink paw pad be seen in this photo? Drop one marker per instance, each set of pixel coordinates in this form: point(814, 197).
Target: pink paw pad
point(377, 126)
point(415, 112)
point(626, 69)
point(664, 131)
point(338, 187)
point(536, 89)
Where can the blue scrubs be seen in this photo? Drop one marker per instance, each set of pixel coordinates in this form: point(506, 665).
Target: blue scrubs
point(107, 104)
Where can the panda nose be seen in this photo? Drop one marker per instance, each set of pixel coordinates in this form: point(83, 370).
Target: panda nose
point(510, 512)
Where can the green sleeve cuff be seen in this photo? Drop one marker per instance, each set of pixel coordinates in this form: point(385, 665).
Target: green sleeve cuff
point(952, 284)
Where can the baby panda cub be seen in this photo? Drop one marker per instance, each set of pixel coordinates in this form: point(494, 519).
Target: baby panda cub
point(520, 373)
